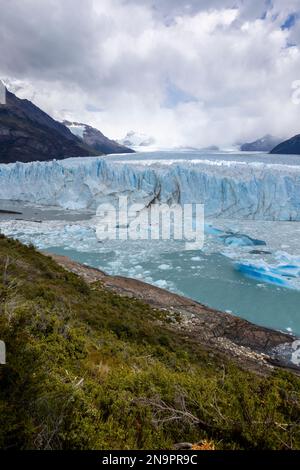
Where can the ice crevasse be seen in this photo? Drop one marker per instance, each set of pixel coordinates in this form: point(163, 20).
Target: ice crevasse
point(233, 189)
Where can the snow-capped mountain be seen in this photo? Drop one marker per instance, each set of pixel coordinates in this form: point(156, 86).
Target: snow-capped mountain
point(135, 139)
point(22, 88)
point(95, 139)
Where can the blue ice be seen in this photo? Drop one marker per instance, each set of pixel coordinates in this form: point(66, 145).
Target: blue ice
point(261, 274)
point(236, 239)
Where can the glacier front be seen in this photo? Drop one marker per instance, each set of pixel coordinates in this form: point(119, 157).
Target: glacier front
point(229, 189)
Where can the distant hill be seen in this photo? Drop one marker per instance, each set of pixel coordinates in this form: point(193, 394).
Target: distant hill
point(265, 144)
point(95, 139)
point(288, 147)
point(211, 148)
point(28, 134)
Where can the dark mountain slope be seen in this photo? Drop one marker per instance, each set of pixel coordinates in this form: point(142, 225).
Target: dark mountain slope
point(265, 144)
point(28, 134)
point(96, 140)
point(288, 147)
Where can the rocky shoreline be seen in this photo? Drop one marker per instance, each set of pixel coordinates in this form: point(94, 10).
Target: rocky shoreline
point(251, 346)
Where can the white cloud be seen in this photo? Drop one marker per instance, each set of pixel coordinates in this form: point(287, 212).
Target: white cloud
point(119, 58)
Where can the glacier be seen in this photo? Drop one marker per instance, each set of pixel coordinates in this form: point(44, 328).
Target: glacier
point(228, 189)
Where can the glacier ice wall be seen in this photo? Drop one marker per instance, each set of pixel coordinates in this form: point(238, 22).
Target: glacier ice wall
point(228, 189)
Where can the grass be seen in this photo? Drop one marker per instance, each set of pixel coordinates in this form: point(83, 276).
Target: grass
point(87, 369)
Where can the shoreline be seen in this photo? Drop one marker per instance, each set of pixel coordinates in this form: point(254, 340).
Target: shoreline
point(251, 346)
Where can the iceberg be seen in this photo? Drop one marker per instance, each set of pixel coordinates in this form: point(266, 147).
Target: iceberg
point(286, 258)
point(211, 230)
point(261, 273)
point(236, 239)
point(226, 188)
point(287, 270)
point(278, 274)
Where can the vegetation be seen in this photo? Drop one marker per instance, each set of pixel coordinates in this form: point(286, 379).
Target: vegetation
point(87, 369)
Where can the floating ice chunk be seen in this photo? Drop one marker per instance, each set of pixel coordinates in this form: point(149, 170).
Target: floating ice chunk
point(161, 283)
point(289, 264)
point(237, 239)
point(287, 270)
point(164, 267)
point(210, 230)
point(261, 273)
point(286, 258)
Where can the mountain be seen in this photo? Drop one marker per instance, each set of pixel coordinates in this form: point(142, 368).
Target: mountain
point(288, 147)
point(28, 134)
point(134, 139)
point(210, 148)
point(265, 144)
point(95, 139)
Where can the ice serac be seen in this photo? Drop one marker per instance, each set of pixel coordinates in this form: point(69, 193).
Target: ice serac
point(228, 189)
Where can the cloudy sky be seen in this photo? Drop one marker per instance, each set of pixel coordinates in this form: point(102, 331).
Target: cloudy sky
point(189, 72)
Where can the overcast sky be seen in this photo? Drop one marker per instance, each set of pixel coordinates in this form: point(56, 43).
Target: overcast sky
point(187, 72)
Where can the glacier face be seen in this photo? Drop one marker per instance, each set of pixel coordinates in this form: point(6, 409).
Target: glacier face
point(227, 188)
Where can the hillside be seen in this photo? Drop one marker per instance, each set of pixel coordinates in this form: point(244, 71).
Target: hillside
point(28, 134)
point(88, 368)
point(289, 147)
point(95, 139)
point(265, 144)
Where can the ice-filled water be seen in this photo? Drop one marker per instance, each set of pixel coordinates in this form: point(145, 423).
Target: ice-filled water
point(250, 263)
